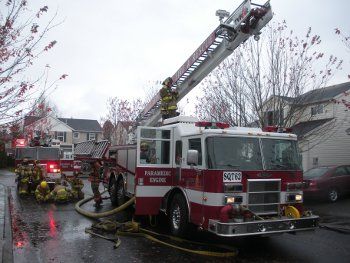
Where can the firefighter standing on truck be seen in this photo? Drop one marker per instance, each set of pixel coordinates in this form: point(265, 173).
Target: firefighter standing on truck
point(42, 192)
point(169, 98)
point(95, 182)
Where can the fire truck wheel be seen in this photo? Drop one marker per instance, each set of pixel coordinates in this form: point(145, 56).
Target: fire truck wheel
point(178, 216)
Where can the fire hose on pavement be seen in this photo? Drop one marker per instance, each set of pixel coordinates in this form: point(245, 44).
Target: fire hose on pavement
point(133, 229)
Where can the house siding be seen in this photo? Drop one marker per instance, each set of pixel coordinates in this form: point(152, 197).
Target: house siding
point(333, 147)
point(83, 136)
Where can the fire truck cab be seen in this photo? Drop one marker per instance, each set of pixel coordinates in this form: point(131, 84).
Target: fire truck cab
point(231, 181)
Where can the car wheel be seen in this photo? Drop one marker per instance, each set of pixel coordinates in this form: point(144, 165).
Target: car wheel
point(178, 216)
point(333, 195)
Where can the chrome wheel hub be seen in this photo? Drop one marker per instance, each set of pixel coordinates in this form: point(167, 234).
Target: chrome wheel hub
point(333, 195)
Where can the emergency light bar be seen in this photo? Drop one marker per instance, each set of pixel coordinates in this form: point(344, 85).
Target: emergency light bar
point(212, 125)
point(277, 129)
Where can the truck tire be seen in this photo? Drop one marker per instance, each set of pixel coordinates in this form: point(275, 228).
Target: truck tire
point(113, 191)
point(178, 216)
point(117, 192)
point(121, 197)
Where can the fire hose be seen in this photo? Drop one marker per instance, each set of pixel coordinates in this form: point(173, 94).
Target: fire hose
point(133, 229)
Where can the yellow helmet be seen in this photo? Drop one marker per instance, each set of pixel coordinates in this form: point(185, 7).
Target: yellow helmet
point(43, 184)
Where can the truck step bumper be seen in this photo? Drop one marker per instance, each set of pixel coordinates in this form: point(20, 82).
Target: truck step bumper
point(263, 227)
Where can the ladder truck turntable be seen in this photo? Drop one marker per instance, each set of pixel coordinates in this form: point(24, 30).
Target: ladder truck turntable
point(231, 181)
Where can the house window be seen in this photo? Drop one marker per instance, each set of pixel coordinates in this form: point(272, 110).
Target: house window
point(315, 161)
point(61, 136)
point(92, 136)
point(274, 117)
point(76, 135)
point(317, 109)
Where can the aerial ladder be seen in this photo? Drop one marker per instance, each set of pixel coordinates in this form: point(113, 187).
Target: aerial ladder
point(246, 21)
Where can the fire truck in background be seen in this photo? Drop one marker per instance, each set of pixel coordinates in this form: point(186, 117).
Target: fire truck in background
point(53, 159)
point(231, 181)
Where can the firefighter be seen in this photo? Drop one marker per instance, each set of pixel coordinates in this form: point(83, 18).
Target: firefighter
point(144, 147)
point(42, 192)
point(24, 177)
point(60, 194)
point(77, 186)
point(169, 98)
point(95, 182)
point(37, 176)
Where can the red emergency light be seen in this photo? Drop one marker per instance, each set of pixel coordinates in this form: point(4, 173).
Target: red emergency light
point(277, 129)
point(204, 124)
point(20, 143)
point(53, 168)
point(212, 125)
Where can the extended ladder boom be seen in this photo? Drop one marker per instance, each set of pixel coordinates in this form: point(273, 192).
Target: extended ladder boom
point(244, 22)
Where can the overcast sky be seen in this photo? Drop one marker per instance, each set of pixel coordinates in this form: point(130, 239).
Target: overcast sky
point(118, 48)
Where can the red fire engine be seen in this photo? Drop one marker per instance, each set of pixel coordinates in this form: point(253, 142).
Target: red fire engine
point(53, 160)
point(231, 181)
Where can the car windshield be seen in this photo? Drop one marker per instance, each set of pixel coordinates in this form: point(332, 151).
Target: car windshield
point(233, 153)
point(280, 154)
point(315, 172)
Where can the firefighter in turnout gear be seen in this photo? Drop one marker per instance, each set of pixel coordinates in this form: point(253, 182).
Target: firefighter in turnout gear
point(24, 177)
point(169, 98)
point(42, 192)
point(95, 182)
point(60, 194)
point(37, 176)
point(77, 186)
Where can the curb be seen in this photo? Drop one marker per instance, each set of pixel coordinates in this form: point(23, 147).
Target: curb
point(6, 254)
point(2, 218)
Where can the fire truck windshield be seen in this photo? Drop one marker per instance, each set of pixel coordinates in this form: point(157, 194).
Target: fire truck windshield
point(234, 153)
point(244, 154)
point(280, 154)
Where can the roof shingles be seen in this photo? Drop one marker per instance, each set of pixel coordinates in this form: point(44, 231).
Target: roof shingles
point(82, 124)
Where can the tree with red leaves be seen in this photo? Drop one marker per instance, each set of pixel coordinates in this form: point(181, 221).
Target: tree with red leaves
point(21, 38)
point(276, 69)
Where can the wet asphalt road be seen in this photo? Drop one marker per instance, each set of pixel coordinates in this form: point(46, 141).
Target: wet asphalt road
point(55, 233)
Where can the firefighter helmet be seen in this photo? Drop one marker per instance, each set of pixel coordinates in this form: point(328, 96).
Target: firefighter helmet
point(168, 81)
point(43, 184)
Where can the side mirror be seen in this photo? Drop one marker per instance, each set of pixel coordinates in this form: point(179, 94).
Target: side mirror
point(192, 157)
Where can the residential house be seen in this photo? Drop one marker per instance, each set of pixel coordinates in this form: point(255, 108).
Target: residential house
point(68, 131)
point(321, 119)
point(122, 133)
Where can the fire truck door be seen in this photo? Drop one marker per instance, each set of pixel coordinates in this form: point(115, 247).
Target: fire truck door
point(192, 177)
point(178, 161)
